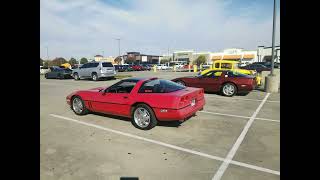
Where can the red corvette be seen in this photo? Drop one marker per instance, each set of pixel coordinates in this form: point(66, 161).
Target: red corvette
point(227, 82)
point(145, 100)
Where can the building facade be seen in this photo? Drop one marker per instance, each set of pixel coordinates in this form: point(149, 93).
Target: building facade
point(265, 54)
point(106, 59)
point(138, 58)
point(236, 54)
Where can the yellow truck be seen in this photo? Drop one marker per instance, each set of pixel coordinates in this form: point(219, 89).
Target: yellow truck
point(233, 66)
point(66, 65)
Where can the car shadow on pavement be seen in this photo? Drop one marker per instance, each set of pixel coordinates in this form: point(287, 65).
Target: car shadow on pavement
point(160, 123)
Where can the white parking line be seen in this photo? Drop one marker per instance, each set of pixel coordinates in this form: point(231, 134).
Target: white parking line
point(237, 144)
point(245, 117)
point(232, 98)
point(169, 145)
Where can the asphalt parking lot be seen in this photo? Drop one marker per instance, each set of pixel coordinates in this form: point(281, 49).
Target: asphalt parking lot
point(232, 138)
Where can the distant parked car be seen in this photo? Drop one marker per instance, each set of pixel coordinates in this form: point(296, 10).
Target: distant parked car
point(146, 67)
point(95, 71)
point(227, 82)
point(257, 67)
point(58, 73)
point(137, 67)
point(162, 67)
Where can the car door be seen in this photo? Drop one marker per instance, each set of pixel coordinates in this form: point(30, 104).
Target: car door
point(54, 73)
point(213, 82)
point(81, 70)
point(115, 100)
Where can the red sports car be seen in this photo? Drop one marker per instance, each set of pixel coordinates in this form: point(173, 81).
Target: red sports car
point(145, 100)
point(227, 82)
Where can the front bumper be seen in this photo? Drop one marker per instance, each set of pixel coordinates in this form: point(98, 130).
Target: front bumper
point(163, 114)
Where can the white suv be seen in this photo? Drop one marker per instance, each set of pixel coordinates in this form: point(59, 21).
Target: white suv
point(94, 70)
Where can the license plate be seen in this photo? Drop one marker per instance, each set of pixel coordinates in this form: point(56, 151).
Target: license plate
point(193, 102)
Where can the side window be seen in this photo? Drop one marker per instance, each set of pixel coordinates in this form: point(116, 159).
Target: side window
point(226, 65)
point(217, 65)
point(94, 64)
point(149, 87)
point(217, 74)
point(85, 66)
point(122, 87)
point(209, 74)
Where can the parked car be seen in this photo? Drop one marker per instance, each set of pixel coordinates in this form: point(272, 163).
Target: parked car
point(257, 67)
point(268, 64)
point(228, 65)
point(58, 73)
point(228, 83)
point(95, 71)
point(146, 67)
point(162, 67)
point(137, 67)
point(145, 100)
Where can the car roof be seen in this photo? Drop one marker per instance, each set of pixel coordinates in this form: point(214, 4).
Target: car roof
point(136, 79)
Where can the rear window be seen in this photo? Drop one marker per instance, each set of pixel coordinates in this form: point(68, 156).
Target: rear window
point(160, 86)
point(107, 64)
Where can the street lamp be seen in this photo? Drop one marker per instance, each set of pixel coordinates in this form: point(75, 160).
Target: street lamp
point(273, 36)
point(272, 81)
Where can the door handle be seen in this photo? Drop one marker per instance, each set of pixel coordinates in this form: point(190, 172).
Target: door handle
point(125, 97)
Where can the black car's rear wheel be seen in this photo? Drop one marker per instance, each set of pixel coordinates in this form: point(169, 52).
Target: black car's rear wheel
point(143, 117)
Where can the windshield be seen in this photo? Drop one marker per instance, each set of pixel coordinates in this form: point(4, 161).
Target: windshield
point(160, 86)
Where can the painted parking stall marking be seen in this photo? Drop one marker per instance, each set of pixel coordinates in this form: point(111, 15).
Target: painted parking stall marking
point(170, 145)
point(237, 144)
point(244, 117)
point(232, 98)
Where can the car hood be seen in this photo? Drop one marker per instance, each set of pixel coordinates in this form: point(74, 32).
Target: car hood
point(96, 89)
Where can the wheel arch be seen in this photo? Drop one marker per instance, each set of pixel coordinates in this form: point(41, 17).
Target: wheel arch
point(137, 103)
point(237, 88)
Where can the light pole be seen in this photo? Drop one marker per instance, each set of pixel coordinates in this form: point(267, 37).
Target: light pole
point(118, 45)
point(273, 36)
point(272, 82)
point(47, 52)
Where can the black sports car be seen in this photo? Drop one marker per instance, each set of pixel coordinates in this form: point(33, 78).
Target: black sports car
point(58, 73)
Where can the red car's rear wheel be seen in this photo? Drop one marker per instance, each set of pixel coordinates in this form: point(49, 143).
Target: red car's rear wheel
point(143, 117)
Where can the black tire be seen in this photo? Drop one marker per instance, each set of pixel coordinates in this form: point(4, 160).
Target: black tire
point(230, 85)
point(153, 119)
point(84, 111)
point(181, 82)
point(60, 76)
point(76, 76)
point(94, 77)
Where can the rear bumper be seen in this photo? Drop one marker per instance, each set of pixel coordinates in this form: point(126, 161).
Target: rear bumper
point(107, 74)
point(163, 114)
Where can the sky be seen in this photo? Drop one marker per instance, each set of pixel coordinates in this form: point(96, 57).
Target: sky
point(85, 28)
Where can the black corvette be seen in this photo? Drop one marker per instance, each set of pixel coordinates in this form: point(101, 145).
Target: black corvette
point(58, 73)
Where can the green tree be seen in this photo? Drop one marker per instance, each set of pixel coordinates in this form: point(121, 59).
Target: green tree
point(200, 60)
point(46, 63)
point(57, 61)
point(73, 61)
point(41, 62)
point(83, 60)
point(118, 60)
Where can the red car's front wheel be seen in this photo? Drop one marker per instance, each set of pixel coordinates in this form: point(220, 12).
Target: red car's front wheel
point(78, 106)
point(143, 117)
